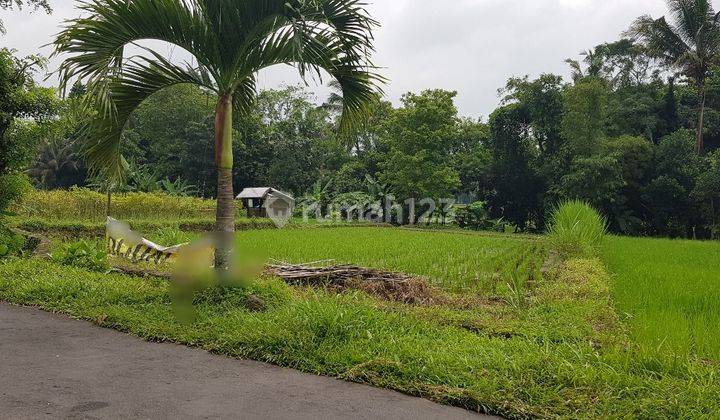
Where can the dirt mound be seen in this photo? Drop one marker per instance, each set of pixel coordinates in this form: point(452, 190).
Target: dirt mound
point(387, 285)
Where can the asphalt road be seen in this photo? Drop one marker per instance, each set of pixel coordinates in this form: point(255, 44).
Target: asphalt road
point(52, 366)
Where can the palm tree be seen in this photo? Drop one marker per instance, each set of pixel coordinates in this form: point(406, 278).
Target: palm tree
point(594, 62)
point(691, 44)
point(230, 41)
point(57, 164)
point(334, 101)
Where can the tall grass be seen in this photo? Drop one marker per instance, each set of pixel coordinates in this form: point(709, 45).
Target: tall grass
point(576, 230)
point(88, 205)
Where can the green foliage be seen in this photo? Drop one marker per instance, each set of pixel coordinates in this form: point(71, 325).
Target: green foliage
point(83, 254)
point(171, 236)
point(319, 197)
point(58, 163)
point(517, 185)
point(20, 98)
point(668, 194)
point(179, 187)
point(585, 109)
point(576, 230)
point(475, 216)
point(689, 44)
point(707, 194)
point(274, 293)
point(420, 136)
point(351, 205)
point(471, 157)
point(300, 137)
point(543, 99)
point(74, 228)
point(250, 39)
point(597, 180)
point(12, 188)
point(10, 243)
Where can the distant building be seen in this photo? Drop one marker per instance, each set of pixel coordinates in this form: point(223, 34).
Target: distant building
point(266, 202)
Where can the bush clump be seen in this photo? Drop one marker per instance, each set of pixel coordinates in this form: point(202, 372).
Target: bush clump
point(12, 187)
point(10, 243)
point(576, 230)
point(83, 254)
point(476, 217)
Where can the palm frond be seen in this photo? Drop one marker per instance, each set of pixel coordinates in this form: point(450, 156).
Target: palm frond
point(93, 42)
point(231, 40)
point(140, 79)
point(660, 38)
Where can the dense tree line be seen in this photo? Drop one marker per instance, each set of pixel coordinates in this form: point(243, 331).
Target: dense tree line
point(635, 132)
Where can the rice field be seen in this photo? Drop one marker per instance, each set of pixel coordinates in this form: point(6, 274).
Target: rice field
point(557, 349)
point(455, 261)
point(669, 293)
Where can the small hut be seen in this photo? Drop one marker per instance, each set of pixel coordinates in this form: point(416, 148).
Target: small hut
point(258, 201)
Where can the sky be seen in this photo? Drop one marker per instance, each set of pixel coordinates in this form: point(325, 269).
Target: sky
point(470, 46)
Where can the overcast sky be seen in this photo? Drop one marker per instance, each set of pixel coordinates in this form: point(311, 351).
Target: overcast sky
point(471, 46)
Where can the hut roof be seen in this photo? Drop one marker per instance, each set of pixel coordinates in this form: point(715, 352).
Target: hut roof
point(262, 193)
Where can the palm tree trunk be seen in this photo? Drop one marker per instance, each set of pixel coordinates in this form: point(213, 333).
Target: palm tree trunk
point(225, 216)
point(701, 120)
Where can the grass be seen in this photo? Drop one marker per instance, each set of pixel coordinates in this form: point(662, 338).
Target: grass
point(552, 345)
point(561, 355)
point(86, 205)
point(669, 291)
point(454, 261)
point(576, 229)
point(96, 228)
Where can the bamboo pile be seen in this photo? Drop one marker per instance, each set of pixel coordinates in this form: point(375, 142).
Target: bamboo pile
point(337, 274)
point(384, 284)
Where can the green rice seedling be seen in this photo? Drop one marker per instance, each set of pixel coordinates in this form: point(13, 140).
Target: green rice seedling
point(576, 230)
point(669, 293)
point(455, 261)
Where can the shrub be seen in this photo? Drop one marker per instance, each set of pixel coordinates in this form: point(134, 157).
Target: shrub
point(475, 216)
point(83, 254)
point(576, 230)
point(171, 236)
point(12, 187)
point(10, 243)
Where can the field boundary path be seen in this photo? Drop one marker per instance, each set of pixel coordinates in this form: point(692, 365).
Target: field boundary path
point(54, 366)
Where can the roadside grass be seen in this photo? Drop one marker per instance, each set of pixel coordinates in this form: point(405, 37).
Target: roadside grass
point(669, 292)
point(456, 262)
point(563, 353)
